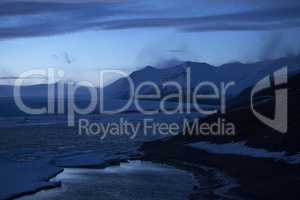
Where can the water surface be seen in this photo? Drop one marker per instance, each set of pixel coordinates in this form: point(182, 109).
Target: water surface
point(130, 181)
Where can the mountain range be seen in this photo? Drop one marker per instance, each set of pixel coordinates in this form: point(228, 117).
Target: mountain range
point(242, 74)
point(245, 75)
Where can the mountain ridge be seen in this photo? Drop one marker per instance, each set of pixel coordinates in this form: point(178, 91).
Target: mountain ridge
point(243, 74)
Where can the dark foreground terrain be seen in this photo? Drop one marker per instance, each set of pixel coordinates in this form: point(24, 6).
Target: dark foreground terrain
point(257, 177)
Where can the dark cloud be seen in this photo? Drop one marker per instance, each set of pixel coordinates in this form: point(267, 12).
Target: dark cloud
point(252, 20)
point(244, 27)
point(29, 8)
point(59, 17)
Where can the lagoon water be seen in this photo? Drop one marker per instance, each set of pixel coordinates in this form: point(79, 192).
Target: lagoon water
point(34, 150)
point(130, 181)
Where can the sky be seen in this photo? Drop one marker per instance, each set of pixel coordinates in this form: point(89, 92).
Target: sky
point(82, 37)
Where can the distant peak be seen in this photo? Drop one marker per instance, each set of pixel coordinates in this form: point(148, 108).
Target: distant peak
point(196, 64)
point(146, 69)
point(234, 63)
point(150, 67)
point(189, 63)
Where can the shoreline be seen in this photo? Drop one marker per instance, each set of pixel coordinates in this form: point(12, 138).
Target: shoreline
point(59, 184)
point(214, 183)
point(163, 177)
point(257, 178)
point(206, 166)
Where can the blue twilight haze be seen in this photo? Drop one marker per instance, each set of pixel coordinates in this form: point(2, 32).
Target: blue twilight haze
point(81, 37)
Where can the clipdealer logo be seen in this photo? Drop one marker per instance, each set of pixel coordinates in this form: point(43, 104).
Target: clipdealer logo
point(280, 120)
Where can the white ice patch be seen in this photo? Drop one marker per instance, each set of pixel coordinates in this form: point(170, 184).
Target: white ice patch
point(240, 148)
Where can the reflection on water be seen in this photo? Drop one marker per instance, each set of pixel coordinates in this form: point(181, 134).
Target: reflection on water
point(130, 181)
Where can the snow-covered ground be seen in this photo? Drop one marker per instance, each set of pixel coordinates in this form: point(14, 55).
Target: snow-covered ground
point(241, 149)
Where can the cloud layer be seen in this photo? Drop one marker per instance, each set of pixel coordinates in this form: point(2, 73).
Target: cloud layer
point(29, 18)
